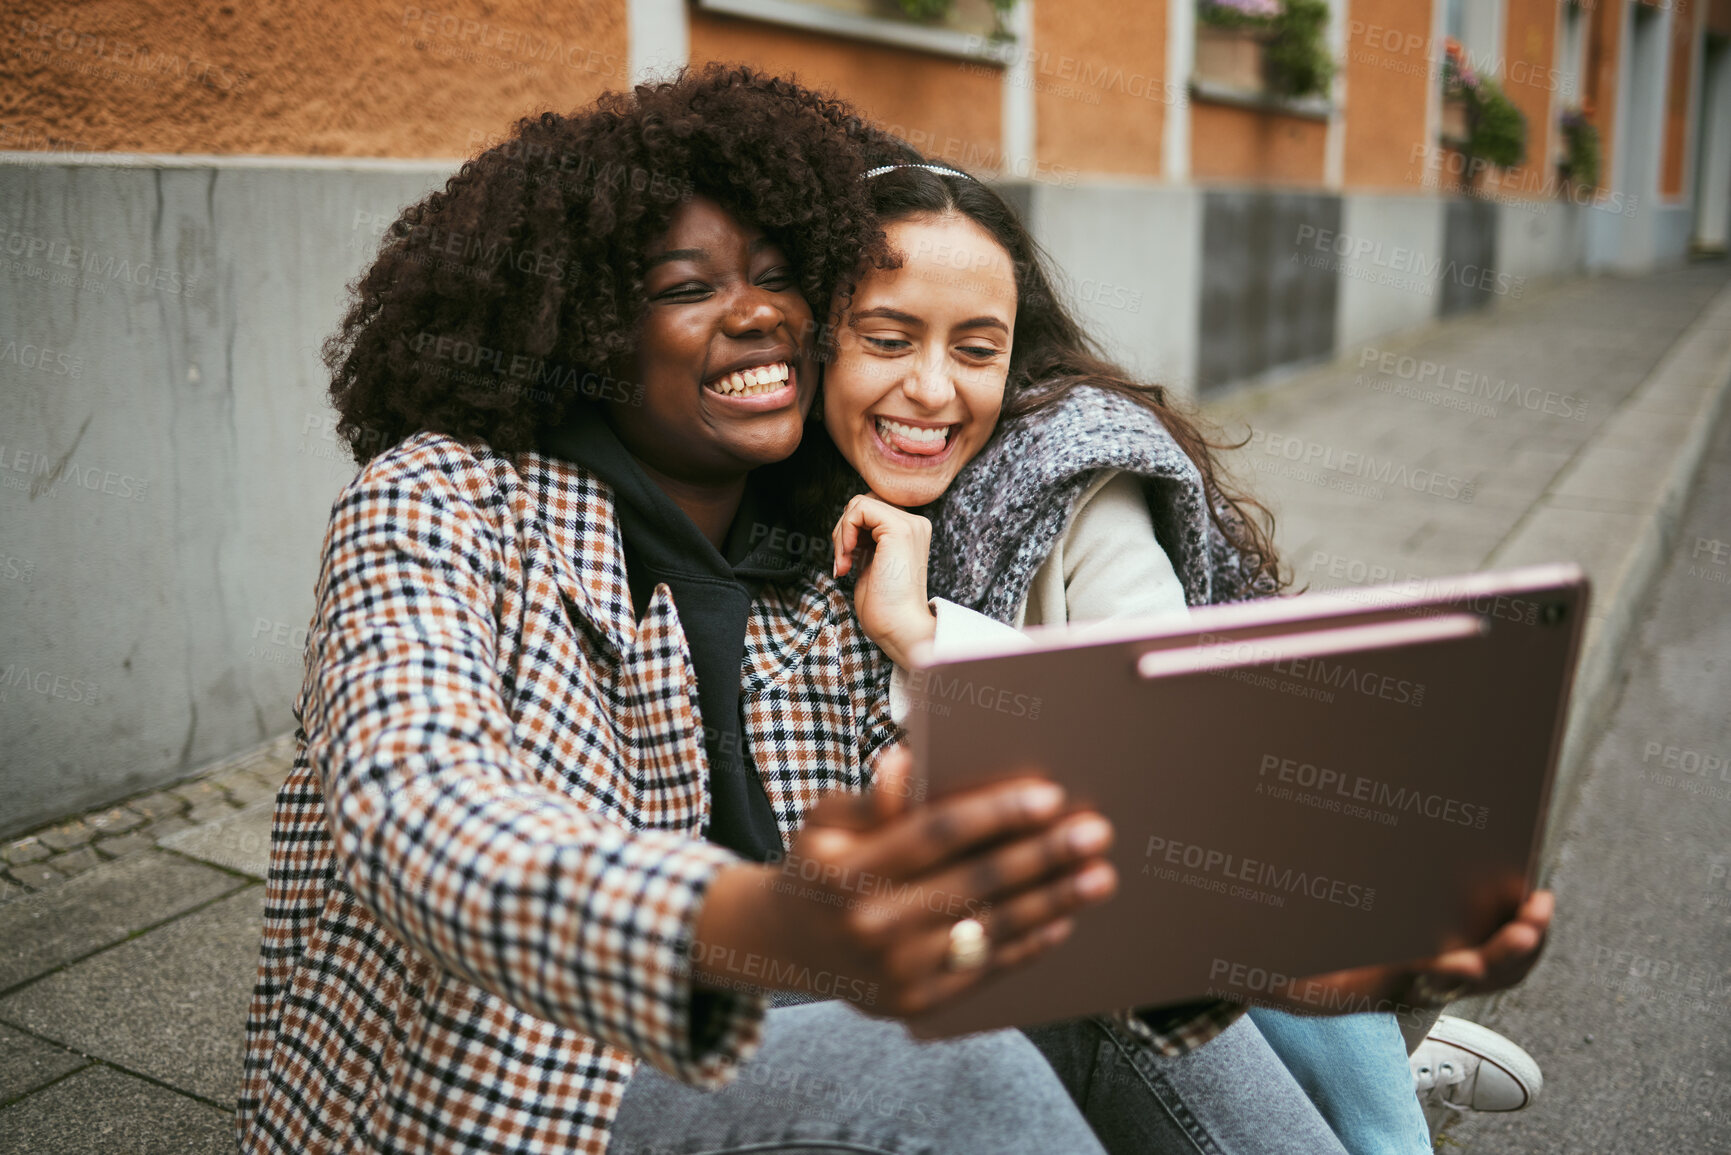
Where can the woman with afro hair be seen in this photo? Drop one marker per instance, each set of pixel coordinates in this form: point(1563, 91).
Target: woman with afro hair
point(591, 752)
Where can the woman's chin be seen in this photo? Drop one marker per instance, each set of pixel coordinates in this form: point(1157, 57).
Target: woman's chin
point(908, 493)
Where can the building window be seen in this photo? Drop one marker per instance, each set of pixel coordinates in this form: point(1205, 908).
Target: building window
point(975, 29)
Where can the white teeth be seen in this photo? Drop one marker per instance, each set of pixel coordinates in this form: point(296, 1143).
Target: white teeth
point(745, 382)
point(913, 432)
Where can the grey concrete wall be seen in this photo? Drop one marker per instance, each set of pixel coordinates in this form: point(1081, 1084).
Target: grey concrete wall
point(1540, 240)
point(1396, 283)
point(1131, 255)
point(166, 465)
point(1271, 271)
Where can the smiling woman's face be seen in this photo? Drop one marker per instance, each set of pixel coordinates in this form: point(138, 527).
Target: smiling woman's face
point(724, 352)
point(922, 358)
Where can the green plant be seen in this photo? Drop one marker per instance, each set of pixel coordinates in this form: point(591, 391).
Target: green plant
point(938, 9)
point(1581, 162)
point(1499, 129)
point(1238, 13)
point(1296, 59)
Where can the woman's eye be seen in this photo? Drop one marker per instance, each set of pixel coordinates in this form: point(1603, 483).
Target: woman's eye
point(979, 352)
point(887, 344)
point(777, 280)
point(690, 290)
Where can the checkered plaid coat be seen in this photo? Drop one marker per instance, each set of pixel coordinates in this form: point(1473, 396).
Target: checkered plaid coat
point(487, 863)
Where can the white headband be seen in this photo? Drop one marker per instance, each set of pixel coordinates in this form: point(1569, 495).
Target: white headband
point(937, 168)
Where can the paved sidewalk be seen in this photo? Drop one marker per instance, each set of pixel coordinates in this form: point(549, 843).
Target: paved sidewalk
point(128, 937)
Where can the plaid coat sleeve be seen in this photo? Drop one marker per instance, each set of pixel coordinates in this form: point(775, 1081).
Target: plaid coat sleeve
point(455, 848)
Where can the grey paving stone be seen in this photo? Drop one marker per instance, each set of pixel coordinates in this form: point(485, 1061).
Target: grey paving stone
point(75, 862)
point(124, 845)
point(163, 827)
point(170, 1004)
point(115, 821)
point(100, 1111)
point(10, 890)
point(27, 850)
point(67, 835)
point(35, 876)
point(158, 805)
point(27, 1063)
point(244, 789)
point(239, 841)
point(103, 906)
point(198, 790)
point(210, 810)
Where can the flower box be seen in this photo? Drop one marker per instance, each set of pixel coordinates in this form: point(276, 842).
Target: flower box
point(1230, 57)
point(1455, 125)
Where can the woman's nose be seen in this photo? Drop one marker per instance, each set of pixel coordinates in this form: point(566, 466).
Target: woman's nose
point(752, 310)
point(928, 385)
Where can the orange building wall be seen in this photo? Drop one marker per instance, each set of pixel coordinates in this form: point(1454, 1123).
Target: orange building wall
point(950, 108)
point(1678, 77)
point(1530, 78)
point(295, 76)
point(1100, 85)
point(1389, 68)
point(1229, 143)
point(1604, 47)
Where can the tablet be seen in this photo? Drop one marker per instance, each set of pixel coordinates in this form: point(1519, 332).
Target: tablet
point(1298, 785)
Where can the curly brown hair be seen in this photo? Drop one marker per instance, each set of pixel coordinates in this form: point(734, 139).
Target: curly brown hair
point(512, 294)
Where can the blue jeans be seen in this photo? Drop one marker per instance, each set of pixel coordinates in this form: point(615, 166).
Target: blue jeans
point(830, 1079)
point(1354, 1069)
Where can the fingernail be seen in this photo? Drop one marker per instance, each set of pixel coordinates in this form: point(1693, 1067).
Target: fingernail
point(1089, 835)
point(1042, 799)
point(1095, 882)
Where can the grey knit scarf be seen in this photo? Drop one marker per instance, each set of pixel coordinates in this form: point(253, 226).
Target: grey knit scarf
point(1008, 507)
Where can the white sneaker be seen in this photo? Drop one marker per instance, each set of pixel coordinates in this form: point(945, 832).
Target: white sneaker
point(1466, 1067)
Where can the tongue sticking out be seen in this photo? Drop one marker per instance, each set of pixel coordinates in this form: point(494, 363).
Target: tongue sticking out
point(898, 437)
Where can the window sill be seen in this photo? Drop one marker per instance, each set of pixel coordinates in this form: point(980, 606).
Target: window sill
point(1305, 108)
point(881, 30)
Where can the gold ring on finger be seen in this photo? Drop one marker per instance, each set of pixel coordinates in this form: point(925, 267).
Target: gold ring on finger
point(968, 947)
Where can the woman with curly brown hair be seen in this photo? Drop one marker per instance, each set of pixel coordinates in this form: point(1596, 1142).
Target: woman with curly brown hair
point(583, 755)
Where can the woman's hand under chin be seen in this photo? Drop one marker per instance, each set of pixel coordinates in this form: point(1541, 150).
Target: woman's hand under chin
point(889, 547)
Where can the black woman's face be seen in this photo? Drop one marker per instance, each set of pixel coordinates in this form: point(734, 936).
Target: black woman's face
point(724, 352)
